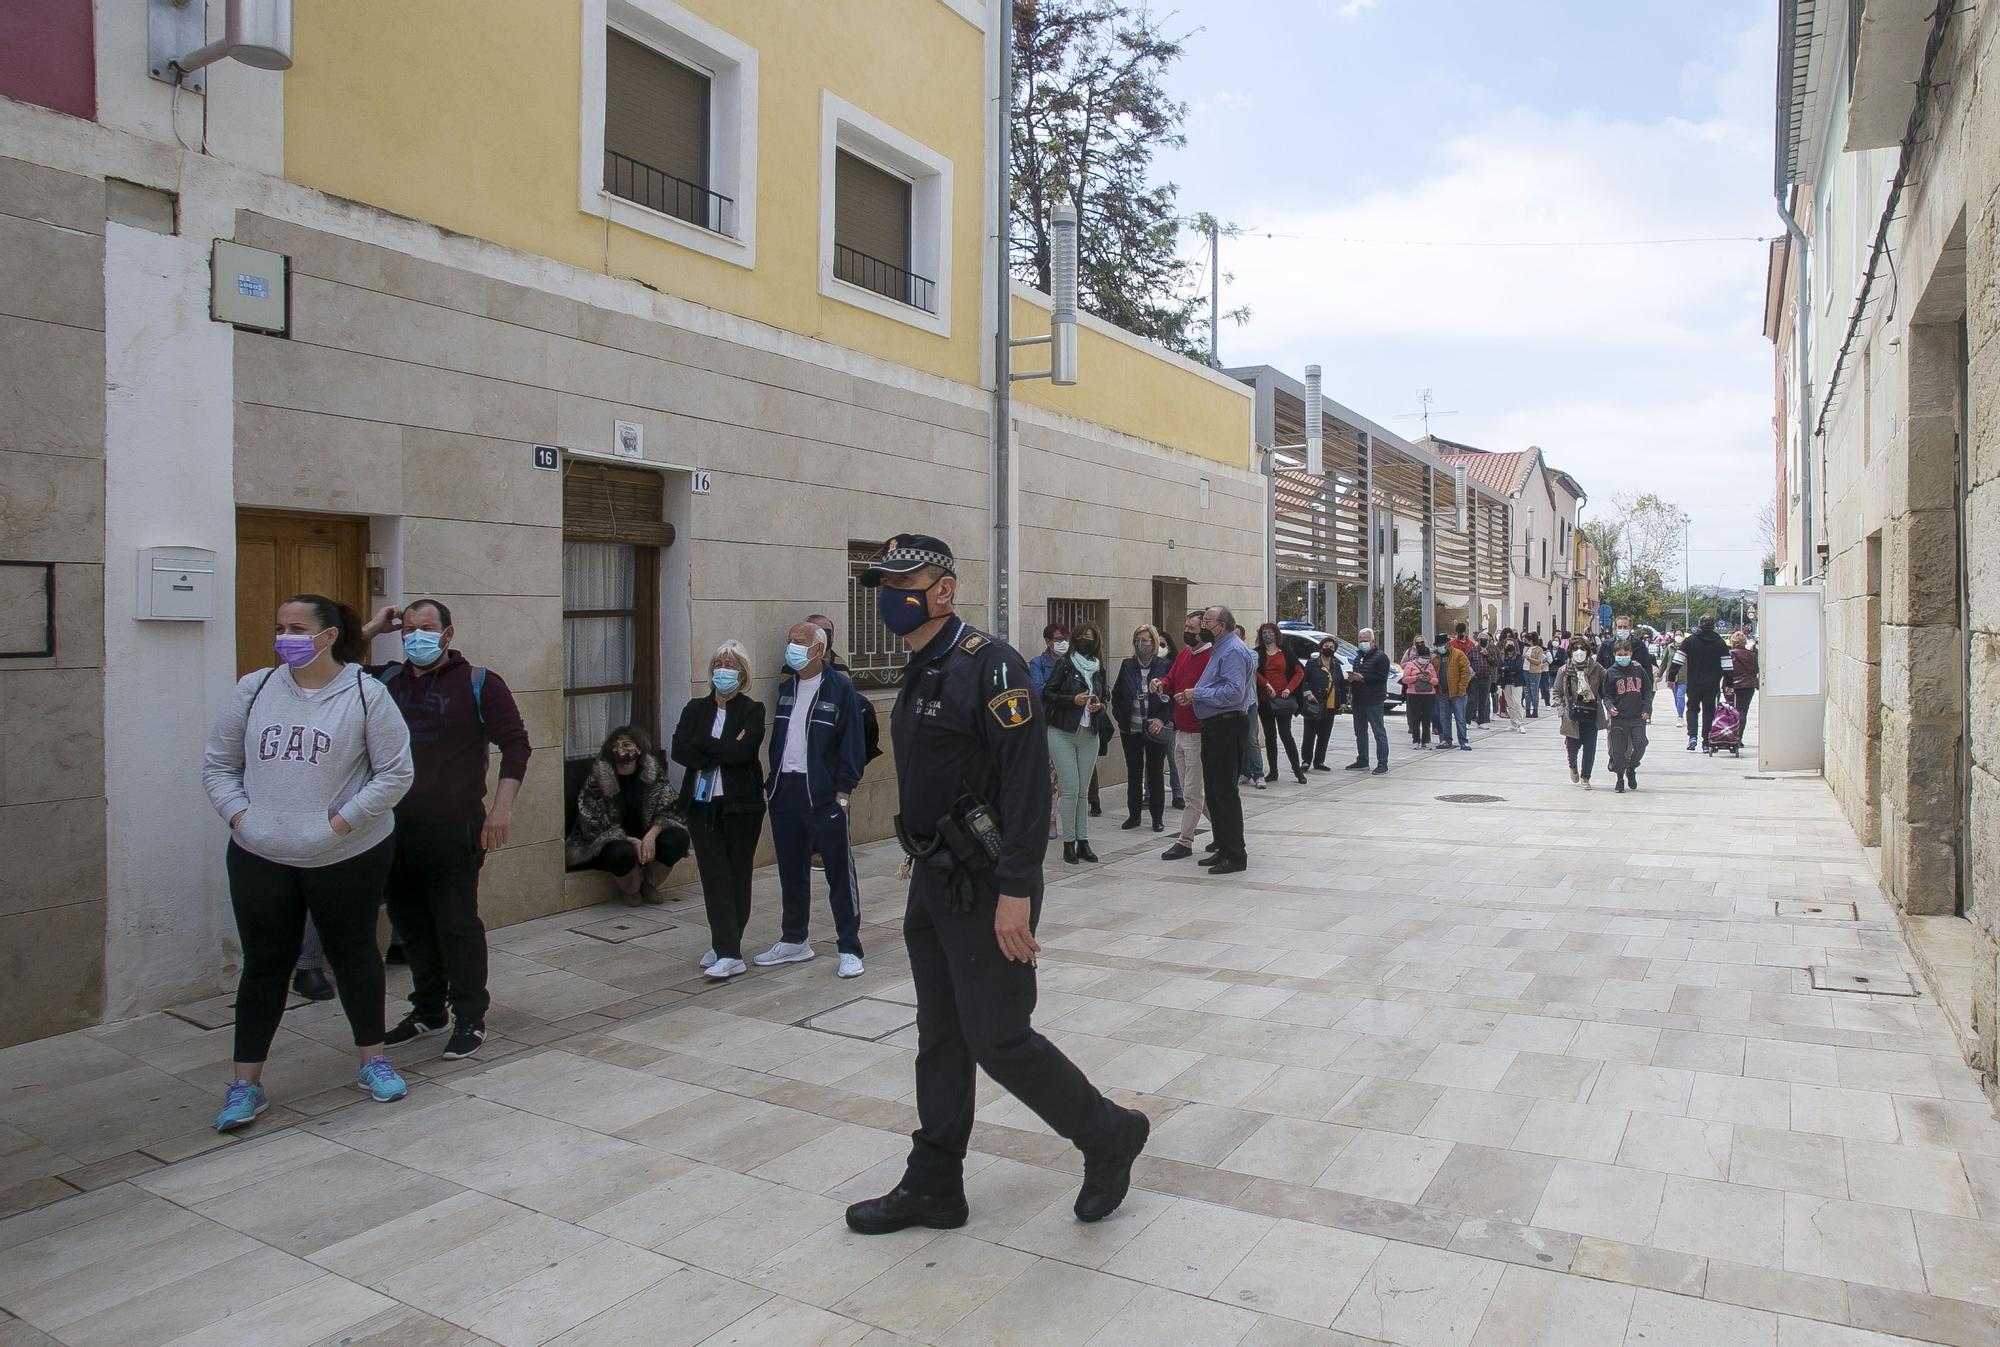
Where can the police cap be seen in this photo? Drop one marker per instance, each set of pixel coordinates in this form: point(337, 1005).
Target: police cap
point(908, 552)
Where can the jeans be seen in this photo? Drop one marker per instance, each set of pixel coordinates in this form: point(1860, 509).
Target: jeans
point(725, 849)
point(271, 903)
point(1454, 712)
point(1585, 740)
point(1222, 740)
point(1145, 776)
point(1187, 758)
point(1368, 719)
point(1277, 728)
point(433, 899)
point(1479, 701)
point(1680, 701)
point(798, 829)
point(1531, 689)
point(1074, 752)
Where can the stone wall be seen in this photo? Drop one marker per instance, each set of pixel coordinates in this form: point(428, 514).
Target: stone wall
point(52, 883)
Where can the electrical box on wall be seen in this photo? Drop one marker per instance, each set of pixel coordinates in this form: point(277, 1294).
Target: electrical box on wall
point(176, 584)
point(247, 288)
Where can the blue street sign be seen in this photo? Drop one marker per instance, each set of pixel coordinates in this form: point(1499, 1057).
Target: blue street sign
point(1604, 615)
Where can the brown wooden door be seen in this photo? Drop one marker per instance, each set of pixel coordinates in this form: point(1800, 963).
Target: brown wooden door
point(279, 555)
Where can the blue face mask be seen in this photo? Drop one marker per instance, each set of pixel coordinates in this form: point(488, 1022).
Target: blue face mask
point(797, 656)
point(903, 610)
point(422, 647)
point(1365, 646)
point(725, 680)
point(1622, 660)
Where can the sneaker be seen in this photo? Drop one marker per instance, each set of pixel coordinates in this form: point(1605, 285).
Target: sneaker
point(1573, 776)
point(1690, 745)
point(1586, 783)
point(850, 966)
point(1465, 748)
point(466, 1036)
point(380, 1080)
point(708, 959)
point(243, 1103)
point(1383, 770)
point(414, 1026)
point(723, 969)
point(785, 952)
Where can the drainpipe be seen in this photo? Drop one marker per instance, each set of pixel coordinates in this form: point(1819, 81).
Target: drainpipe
point(1002, 587)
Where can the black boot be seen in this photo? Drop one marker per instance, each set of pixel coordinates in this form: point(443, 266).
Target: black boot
point(1107, 1175)
point(1069, 853)
point(1084, 853)
point(901, 1209)
point(1129, 824)
point(311, 983)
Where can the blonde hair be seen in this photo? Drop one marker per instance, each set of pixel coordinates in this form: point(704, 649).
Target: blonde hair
point(1148, 629)
point(732, 653)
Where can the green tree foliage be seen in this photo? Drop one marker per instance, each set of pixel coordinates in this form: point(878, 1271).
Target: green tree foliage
point(1090, 113)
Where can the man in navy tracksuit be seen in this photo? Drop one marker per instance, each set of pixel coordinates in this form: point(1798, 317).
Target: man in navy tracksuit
point(818, 751)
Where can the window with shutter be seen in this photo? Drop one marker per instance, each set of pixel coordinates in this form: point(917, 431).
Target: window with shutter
point(656, 134)
point(871, 231)
point(602, 503)
point(612, 536)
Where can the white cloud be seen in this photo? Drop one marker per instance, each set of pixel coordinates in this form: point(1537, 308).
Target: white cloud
point(1354, 9)
point(1633, 367)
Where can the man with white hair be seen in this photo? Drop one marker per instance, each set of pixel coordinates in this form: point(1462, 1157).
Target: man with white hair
point(1370, 683)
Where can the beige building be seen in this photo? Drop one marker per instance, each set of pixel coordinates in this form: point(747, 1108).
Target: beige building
point(519, 331)
point(1888, 176)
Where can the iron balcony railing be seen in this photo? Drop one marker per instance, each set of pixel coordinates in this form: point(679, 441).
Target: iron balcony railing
point(657, 189)
point(884, 278)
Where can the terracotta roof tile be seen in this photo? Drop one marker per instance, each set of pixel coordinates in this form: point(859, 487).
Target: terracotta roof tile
point(1503, 472)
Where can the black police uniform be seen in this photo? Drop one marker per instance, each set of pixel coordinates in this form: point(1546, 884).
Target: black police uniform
point(966, 723)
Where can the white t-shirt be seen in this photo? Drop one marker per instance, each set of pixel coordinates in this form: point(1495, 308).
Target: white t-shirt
point(715, 773)
point(799, 727)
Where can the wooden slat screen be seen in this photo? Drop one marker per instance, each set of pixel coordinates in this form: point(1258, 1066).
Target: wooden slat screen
point(607, 504)
point(871, 211)
point(655, 110)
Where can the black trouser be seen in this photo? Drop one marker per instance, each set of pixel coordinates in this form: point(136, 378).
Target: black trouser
point(1368, 720)
point(725, 850)
point(1277, 727)
point(1701, 709)
point(1145, 776)
point(1421, 714)
point(1586, 739)
point(1480, 700)
point(433, 901)
point(271, 902)
point(1222, 740)
point(621, 857)
point(1628, 744)
point(1313, 749)
point(1742, 698)
point(974, 1008)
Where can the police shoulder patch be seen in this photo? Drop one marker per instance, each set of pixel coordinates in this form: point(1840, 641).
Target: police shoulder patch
point(1011, 709)
point(973, 643)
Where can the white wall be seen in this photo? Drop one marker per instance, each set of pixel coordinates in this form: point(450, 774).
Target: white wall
point(167, 463)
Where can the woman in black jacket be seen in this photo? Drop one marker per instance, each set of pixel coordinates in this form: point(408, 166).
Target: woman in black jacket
point(717, 741)
point(1137, 710)
point(1322, 688)
point(1075, 700)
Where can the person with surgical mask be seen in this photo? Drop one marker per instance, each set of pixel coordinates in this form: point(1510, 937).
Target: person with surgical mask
point(456, 711)
point(1579, 692)
point(1145, 722)
point(1076, 704)
point(817, 755)
point(717, 740)
point(625, 818)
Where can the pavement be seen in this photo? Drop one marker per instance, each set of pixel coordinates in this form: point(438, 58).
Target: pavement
point(1539, 1067)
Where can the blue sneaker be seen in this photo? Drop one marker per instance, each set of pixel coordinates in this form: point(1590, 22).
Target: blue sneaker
point(243, 1103)
point(381, 1081)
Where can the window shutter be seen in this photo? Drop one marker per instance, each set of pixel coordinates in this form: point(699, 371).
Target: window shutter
point(871, 212)
point(655, 112)
point(602, 503)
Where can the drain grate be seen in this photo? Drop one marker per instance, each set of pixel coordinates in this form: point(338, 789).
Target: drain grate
point(1473, 799)
point(1753, 777)
point(1797, 910)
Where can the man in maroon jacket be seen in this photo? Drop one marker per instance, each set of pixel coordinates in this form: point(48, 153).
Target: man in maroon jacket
point(454, 709)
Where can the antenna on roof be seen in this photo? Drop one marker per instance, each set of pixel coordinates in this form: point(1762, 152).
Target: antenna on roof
point(1424, 399)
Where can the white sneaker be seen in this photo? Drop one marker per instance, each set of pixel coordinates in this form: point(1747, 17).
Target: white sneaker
point(785, 953)
point(726, 968)
point(708, 959)
point(850, 966)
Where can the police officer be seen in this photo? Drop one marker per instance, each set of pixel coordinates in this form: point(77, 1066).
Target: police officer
point(972, 769)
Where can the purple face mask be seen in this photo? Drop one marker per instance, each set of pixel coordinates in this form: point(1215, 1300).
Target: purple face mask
point(297, 651)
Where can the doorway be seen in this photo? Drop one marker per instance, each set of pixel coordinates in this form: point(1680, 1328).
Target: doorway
point(279, 554)
point(1170, 604)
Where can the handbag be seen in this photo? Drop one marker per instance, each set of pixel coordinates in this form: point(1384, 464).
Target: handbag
point(1310, 707)
point(1282, 706)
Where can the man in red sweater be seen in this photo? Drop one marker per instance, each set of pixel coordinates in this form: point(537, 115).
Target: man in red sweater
point(443, 829)
point(1188, 664)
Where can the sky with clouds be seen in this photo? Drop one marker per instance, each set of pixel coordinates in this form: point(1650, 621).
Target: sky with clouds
point(1364, 144)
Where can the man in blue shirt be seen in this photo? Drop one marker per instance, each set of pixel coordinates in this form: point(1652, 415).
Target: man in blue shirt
point(1222, 700)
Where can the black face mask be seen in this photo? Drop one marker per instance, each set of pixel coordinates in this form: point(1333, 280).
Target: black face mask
point(1194, 636)
point(1086, 648)
point(626, 757)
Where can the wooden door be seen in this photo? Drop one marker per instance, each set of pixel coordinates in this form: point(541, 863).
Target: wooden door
point(279, 555)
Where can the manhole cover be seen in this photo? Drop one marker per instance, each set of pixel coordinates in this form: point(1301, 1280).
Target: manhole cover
point(617, 930)
point(865, 1017)
point(1873, 983)
point(1799, 910)
point(1473, 799)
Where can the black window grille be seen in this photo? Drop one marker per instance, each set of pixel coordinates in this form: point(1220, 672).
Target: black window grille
point(875, 655)
point(884, 278)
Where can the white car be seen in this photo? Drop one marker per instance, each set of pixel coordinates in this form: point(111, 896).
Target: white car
point(1304, 642)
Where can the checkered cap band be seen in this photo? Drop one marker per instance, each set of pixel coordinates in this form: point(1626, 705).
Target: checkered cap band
point(903, 560)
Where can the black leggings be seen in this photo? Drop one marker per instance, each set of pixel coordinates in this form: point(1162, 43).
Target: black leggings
point(725, 852)
point(1313, 749)
point(1276, 728)
point(1145, 776)
point(1417, 709)
point(271, 902)
point(622, 858)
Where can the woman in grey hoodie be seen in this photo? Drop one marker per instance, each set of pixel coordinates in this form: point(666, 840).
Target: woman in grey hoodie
point(306, 763)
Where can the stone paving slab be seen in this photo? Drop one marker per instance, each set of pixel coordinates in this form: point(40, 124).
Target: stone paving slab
point(1556, 1068)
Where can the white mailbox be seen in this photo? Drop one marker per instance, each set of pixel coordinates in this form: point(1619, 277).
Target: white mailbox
point(176, 584)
